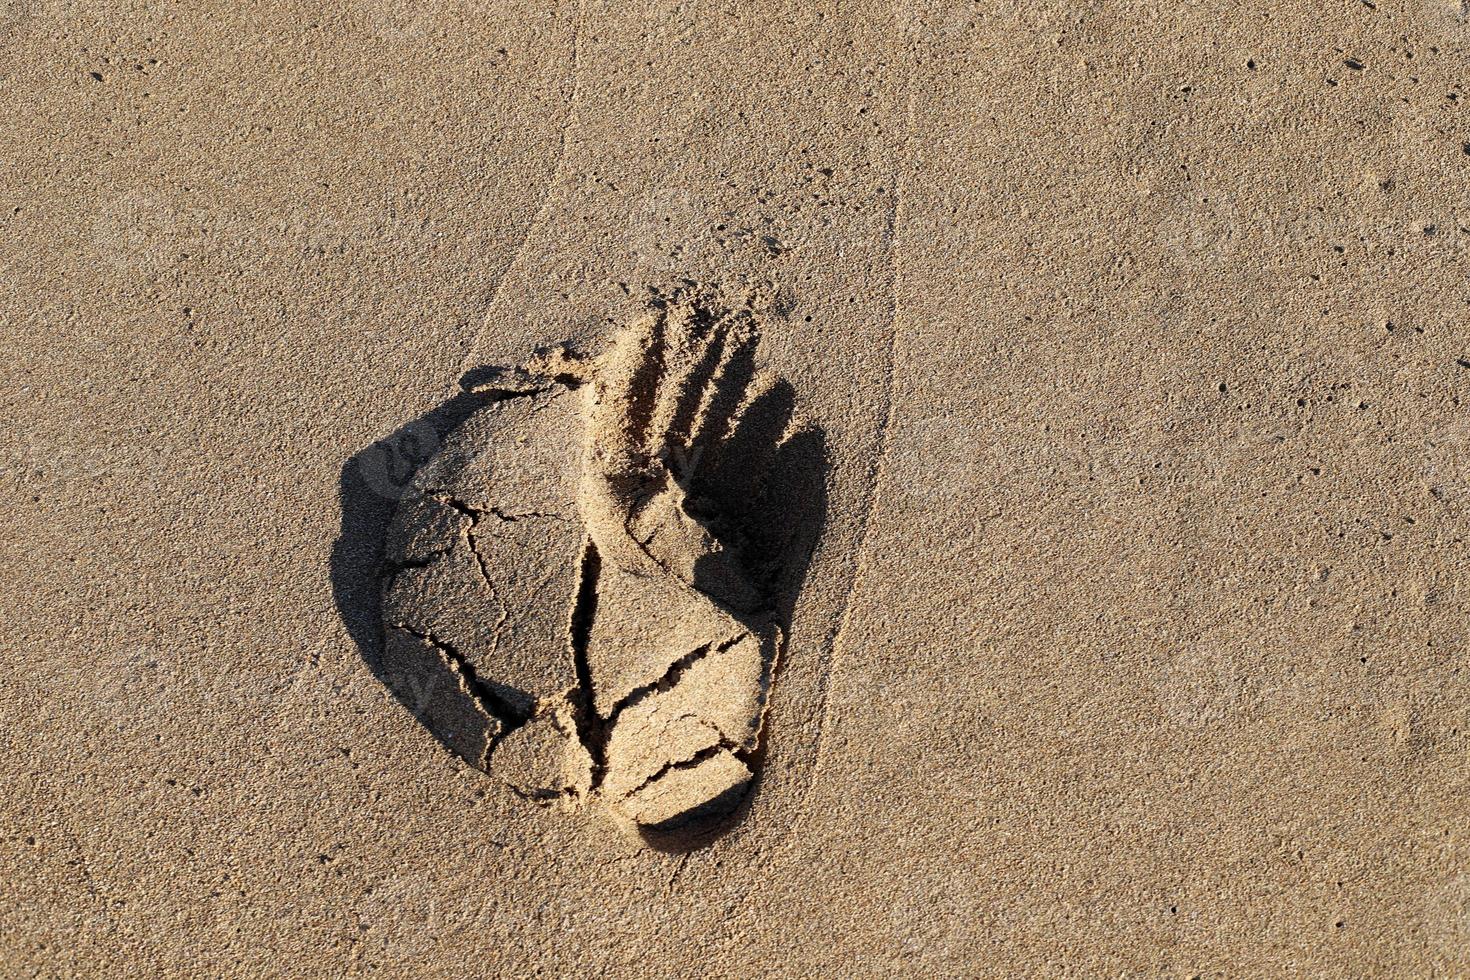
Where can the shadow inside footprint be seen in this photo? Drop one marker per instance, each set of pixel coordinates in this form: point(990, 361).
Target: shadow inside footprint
point(785, 524)
point(373, 481)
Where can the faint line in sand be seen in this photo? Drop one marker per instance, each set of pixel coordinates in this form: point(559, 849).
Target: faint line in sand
point(875, 474)
point(540, 214)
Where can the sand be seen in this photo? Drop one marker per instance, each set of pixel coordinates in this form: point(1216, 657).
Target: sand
point(1132, 641)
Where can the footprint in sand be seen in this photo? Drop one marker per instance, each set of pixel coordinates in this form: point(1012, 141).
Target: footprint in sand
point(587, 586)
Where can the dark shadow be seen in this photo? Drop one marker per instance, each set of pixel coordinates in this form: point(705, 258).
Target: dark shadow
point(794, 506)
point(372, 483)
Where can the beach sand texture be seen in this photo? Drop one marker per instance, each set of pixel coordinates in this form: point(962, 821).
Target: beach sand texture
point(1111, 624)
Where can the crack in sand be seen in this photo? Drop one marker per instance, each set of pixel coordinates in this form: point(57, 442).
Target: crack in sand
point(584, 607)
point(670, 677)
point(395, 569)
point(472, 541)
point(487, 700)
point(528, 516)
point(690, 762)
